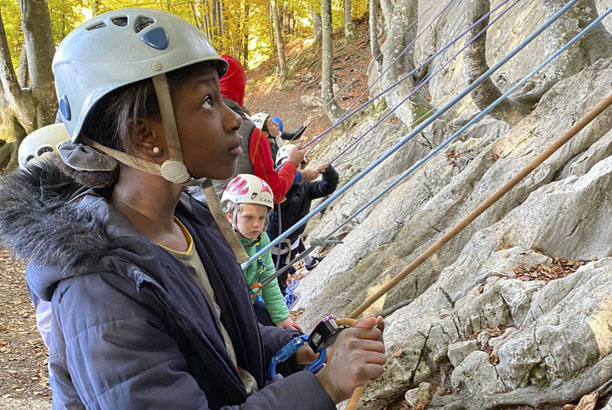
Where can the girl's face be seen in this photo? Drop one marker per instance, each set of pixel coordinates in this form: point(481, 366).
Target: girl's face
point(206, 126)
point(272, 127)
point(251, 220)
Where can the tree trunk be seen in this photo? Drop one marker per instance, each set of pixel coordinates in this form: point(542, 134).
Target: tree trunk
point(220, 15)
point(208, 27)
point(348, 21)
point(316, 24)
point(5, 151)
point(22, 70)
point(475, 64)
point(373, 22)
point(215, 19)
point(196, 18)
point(38, 40)
point(270, 20)
point(332, 109)
point(245, 38)
point(398, 20)
point(280, 45)
point(26, 109)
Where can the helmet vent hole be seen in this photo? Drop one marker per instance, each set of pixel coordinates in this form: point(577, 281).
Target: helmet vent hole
point(142, 23)
point(42, 150)
point(120, 21)
point(96, 26)
point(29, 158)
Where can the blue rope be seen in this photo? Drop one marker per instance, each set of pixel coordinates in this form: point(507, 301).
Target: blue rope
point(396, 58)
point(403, 78)
point(417, 130)
point(469, 123)
point(423, 83)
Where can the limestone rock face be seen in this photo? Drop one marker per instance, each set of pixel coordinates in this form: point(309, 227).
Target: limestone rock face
point(517, 308)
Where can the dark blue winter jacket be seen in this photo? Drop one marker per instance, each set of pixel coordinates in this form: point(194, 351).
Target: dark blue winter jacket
point(131, 329)
point(297, 203)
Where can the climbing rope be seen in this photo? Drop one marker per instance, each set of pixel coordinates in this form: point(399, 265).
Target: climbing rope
point(417, 130)
point(410, 45)
point(584, 121)
point(403, 78)
point(533, 164)
point(446, 98)
point(424, 82)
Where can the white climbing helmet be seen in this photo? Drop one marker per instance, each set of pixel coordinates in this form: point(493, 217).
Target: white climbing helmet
point(121, 47)
point(40, 142)
point(283, 153)
point(259, 119)
point(248, 189)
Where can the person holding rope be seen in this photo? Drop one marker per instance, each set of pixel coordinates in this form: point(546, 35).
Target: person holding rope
point(273, 128)
point(291, 136)
point(255, 158)
point(149, 307)
point(292, 209)
point(247, 200)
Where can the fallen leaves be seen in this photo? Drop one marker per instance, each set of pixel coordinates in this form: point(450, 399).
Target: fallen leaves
point(491, 332)
point(452, 156)
point(23, 356)
point(560, 268)
point(587, 402)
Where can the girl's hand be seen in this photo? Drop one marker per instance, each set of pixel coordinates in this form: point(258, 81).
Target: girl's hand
point(358, 357)
point(289, 323)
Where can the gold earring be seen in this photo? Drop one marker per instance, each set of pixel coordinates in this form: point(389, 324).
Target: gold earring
point(156, 150)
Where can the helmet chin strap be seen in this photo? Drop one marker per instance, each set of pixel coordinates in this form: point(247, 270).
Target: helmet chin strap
point(173, 169)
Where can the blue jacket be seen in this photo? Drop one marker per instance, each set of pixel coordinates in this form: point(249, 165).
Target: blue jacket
point(131, 328)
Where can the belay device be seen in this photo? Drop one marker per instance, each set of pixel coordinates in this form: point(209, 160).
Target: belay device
point(323, 336)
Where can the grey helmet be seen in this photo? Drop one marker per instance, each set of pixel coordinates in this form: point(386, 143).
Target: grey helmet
point(121, 47)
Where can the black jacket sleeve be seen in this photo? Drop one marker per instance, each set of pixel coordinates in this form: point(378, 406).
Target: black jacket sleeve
point(290, 136)
point(325, 186)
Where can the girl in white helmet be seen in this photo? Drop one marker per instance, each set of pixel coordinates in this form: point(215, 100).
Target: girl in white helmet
point(150, 308)
point(247, 200)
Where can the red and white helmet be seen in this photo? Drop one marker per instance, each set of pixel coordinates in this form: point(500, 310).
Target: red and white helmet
point(248, 189)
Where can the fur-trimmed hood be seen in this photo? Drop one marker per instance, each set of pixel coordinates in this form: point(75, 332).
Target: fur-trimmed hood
point(41, 221)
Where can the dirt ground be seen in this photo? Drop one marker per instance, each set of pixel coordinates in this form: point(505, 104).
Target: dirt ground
point(23, 356)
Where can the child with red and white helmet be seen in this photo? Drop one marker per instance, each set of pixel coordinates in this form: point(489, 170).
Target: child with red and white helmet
point(247, 200)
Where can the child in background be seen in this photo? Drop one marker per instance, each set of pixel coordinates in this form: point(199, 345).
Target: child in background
point(290, 136)
point(294, 207)
point(247, 200)
point(273, 129)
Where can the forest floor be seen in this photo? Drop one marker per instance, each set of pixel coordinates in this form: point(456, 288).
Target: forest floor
point(24, 380)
